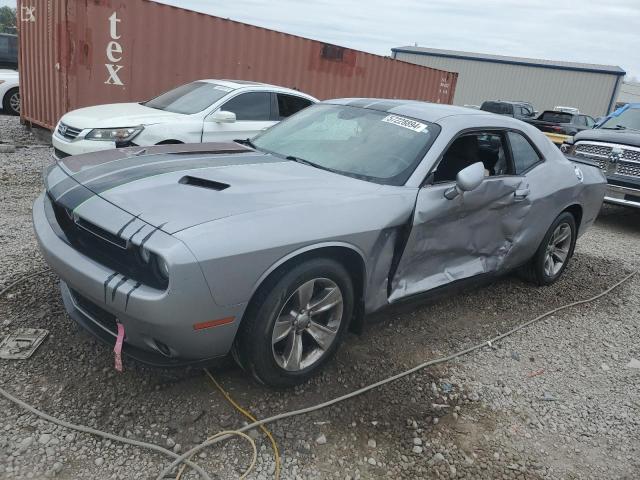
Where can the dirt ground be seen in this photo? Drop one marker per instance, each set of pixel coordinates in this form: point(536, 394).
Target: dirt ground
point(560, 399)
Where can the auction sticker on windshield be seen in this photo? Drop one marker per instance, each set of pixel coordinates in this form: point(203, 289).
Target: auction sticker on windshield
point(405, 123)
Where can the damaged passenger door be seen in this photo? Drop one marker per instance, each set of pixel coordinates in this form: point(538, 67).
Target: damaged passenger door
point(458, 234)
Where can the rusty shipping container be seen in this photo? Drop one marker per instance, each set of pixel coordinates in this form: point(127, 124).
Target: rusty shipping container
point(76, 53)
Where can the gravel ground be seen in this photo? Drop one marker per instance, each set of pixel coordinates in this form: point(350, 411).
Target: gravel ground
point(557, 400)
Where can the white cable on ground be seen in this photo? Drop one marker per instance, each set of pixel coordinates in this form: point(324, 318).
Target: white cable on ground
point(184, 458)
point(393, 378)
point(99, 433)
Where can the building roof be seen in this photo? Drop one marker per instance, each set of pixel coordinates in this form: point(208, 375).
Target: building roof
point(529, 62)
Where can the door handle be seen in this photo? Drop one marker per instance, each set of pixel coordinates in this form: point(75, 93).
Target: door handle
point(521, 194)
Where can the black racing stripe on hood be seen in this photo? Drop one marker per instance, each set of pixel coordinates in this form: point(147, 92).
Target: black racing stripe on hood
point(73, 194)
point(94, 172)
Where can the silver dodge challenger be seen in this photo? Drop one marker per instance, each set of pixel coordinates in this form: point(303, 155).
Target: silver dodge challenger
point(272, 248)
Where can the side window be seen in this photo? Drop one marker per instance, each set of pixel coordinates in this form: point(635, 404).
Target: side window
point(485, 147)
point(4, 46)
point(290, 104)
point(524, 155)
point(590, 122)
point(250, 106)
point(581, 120)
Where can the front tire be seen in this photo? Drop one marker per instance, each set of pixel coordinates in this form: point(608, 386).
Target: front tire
point(555, 251)
point(295, 323)
point(11, 102)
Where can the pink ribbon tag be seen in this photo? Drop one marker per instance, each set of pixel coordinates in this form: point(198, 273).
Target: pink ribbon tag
point(117, 349)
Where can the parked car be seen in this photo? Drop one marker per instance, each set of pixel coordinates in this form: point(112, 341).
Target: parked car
point(8, 51)
point(10, 91)
point(559, 126)
point(519, 110)
point(201, 111)
point(273, 249)
point(613, 146)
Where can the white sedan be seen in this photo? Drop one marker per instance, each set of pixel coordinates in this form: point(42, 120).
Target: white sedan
point(9, 92)
point(201, 111)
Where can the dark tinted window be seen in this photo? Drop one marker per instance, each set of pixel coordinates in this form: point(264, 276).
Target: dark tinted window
point(581, 120)
point(290, 104)
point(190, 98)
point(556, 117)
point(250, 106)
point(497, 107)
point(524, 155)
point(4, 46)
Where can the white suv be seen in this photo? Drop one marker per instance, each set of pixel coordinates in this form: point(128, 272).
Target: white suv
point(201, 111)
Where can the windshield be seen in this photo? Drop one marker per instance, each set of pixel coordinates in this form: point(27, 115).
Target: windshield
point(556, 117)
point(190, 98)
point(497, 107)
point(629, 118)
point(359, 142)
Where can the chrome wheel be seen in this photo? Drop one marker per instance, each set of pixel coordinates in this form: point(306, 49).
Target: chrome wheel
point(14, 102)
point(557, 250)
point(307, 324)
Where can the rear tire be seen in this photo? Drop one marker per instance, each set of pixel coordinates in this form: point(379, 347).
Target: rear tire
point(11, 102)
point(295, 323)
point(553, 254)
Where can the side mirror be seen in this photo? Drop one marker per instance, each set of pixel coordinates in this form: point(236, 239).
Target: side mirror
point(222, 116)
point(467, 179)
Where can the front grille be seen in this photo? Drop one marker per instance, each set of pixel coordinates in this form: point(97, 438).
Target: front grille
point(633, 155)
point(68, 131)
point(104, 247)
point(590, 149)
point(612, 158)
point(97, 313)
point(628, 168)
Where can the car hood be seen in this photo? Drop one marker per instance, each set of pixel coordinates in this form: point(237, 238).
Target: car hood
point(610, 136)
point(117, 115)
point(175, 187)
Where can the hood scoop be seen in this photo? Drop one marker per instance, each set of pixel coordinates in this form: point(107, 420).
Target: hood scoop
point(203, 183)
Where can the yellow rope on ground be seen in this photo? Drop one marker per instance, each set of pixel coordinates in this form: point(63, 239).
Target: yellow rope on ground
point(274, 445)
point(230, 432)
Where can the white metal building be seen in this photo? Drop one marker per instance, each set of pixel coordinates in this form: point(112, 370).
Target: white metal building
point(545, 83)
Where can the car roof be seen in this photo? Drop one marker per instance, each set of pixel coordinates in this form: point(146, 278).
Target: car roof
point(237, 84)
point(430, 112)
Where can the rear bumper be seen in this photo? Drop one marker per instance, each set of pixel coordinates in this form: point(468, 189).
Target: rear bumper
point(626, 196)
point(159, 325)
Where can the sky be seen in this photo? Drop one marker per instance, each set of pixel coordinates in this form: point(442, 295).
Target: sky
point(590, 31)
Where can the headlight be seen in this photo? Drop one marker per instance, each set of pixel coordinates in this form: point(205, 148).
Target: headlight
point(163, 268)
point(114, 134)
point(145, 255)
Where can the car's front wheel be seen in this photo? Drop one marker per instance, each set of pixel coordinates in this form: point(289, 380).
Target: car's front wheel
point(554, 252)
point(11, 102)
point(296, 322)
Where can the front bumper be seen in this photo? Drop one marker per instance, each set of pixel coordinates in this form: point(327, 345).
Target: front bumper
point(78, 146)
point(159, 325)
point(621, 195)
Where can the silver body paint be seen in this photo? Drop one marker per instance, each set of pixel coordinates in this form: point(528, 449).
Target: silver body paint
point(220, 245)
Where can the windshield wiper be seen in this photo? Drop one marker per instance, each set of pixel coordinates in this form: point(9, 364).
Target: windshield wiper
point(617, 127)
point(311, 164)
point(247, 142)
